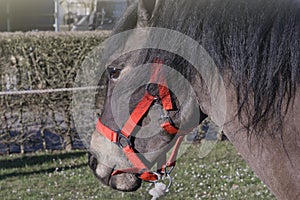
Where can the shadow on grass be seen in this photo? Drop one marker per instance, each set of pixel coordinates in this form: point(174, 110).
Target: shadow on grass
point(27, 161)
point(21, 162)
point(42, 171)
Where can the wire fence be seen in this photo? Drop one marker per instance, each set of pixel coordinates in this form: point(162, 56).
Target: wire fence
point(48, 90)
point(37, 74)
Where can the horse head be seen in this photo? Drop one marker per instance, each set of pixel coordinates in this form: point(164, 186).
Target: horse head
point(143, 114)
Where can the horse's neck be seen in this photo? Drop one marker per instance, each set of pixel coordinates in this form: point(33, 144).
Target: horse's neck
point(275, 158)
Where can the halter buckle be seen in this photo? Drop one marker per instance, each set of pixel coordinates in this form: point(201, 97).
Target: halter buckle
point(123, 141)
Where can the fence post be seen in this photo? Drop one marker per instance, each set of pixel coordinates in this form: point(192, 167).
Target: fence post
point(8, 16)
point(57, 16)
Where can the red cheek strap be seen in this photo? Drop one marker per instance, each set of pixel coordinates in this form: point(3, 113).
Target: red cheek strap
point(123, 137)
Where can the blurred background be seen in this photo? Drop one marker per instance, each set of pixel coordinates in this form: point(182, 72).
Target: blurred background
point(42, 45)
point(57, 15)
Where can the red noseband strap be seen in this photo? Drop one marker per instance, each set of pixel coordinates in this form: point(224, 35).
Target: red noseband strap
point(122, 137)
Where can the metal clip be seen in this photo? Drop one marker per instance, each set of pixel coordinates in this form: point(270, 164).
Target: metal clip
point(168, 176)
point(164, 175)
point(166, 171)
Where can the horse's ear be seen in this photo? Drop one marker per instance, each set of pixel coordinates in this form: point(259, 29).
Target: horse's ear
point(128, 21)
point(145, 11)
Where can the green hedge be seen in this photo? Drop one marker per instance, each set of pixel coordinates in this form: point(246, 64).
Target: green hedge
point(42, 60)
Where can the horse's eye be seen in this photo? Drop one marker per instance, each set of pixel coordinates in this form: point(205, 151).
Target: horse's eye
point(113, 72)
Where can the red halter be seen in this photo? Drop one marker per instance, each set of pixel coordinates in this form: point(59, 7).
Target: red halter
point(125, 133)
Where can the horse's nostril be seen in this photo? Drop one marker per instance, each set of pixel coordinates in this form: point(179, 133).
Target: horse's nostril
point(92, 162)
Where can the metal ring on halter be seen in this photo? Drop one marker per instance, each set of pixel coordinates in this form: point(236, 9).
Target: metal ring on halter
point(147, 87)
point(122, 137)
point(156, 97)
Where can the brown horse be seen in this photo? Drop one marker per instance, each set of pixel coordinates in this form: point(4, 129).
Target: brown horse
point(255, 48)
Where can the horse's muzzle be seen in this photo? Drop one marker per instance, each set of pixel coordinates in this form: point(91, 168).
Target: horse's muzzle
point(93, 164)
point(123, 182)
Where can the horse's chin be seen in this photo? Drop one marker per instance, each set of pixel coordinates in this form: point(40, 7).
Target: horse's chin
point(125, 182)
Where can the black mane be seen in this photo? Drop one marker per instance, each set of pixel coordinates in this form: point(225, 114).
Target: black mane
point(258, 40)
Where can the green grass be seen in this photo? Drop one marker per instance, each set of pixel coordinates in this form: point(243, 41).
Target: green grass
point(221, 175)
